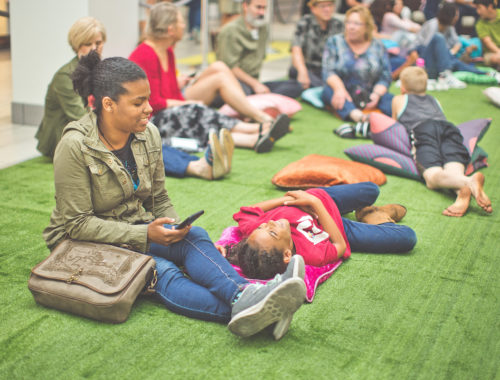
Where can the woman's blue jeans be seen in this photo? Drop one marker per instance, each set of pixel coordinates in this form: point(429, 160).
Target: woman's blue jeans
point(380, 238)
point(206, 286)
point(438, 58)
point(384, 104)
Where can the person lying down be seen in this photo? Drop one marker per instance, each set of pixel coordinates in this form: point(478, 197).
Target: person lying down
point(309, 223)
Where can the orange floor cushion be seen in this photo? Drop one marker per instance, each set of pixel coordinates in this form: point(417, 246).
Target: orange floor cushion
point(316, 170)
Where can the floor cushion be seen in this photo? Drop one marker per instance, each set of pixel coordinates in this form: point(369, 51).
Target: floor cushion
point(316, 170)
point(468, 77)
point(391, 152)
point(493, 94)
point(274, 104)
point(313, 96)
point(313, 276)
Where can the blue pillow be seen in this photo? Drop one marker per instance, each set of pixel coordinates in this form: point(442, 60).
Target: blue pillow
point(313, 96)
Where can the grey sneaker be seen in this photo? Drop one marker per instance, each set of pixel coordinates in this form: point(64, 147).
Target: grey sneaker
point(296, 268)
point(261, 305)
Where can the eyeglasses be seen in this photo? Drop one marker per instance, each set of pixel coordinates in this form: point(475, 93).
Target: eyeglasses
point(356, 23)
point(324, 5)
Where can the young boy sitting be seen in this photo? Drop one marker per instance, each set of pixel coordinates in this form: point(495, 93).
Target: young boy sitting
point(488, 30)
point(437, 144)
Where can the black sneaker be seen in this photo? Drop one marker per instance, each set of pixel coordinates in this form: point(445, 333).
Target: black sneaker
point(262, 305)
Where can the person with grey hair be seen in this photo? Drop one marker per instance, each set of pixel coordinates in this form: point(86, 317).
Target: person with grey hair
point(309, 41)
point(62, 103)
point(242, 44)
point(180, 102)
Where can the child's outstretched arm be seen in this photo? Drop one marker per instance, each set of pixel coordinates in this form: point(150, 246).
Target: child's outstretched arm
point(306, 200)
point(272, 203)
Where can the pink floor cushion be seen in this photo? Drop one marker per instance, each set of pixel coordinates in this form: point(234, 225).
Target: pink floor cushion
point(314, 275)
point(391, 152)
point(473, 131)
point(272, 103)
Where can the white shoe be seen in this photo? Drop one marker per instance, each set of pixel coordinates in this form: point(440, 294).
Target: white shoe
point(431, 85)
point(495, 75)
point(442, 84)
point(451, 81)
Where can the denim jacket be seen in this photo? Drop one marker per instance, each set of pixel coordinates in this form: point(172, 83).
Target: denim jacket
point(95, 197)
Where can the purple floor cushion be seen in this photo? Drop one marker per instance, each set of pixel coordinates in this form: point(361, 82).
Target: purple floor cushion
point(391, 151)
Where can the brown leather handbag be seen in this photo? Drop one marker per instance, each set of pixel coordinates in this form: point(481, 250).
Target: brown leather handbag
point(98, 281)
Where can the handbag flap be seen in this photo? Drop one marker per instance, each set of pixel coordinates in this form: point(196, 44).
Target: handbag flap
point(103, 268)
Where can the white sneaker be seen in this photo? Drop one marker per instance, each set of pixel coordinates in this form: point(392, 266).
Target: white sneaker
point(495, 75)
point(442, 84)
point(431, 85)
point(451, 81)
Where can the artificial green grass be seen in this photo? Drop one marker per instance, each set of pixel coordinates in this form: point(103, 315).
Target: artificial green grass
point(430, 314)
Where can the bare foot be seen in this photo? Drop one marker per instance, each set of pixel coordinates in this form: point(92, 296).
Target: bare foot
point(478, 193)
point(459, 208)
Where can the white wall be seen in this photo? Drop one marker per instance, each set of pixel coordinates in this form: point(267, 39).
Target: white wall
point(39, 46)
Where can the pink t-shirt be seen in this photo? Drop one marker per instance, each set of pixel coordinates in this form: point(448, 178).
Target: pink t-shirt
point(163, 84)
point(311, 241)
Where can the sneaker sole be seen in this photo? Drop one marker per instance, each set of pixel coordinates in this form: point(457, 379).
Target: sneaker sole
point(282, 301)
point(227, 145)
point(218, 167)
point(282, 326)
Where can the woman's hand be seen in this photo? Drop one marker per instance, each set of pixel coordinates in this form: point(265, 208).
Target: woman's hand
point(303, 200)
point(183, 80)
point(260, 88)
point(374, 99)
point(339, 98)
point(157, 233)
point(303, 79)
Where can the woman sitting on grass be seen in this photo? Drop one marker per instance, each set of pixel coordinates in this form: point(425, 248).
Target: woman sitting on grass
point(110, 188)
point(309, 223)
point(180, 103)
point(357, 73)
point(62, 103)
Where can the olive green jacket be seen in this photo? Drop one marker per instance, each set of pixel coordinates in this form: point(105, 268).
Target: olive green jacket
point(62, 105)
point(95, 197)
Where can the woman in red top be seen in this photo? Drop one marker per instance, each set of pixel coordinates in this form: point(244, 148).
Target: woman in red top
point(184, 113)
point(310, 224)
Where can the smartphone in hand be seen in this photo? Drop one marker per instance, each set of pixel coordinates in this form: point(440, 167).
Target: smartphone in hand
point(189, 220)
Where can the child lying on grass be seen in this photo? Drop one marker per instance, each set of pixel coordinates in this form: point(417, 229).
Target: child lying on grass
point(309, 223)
point(437, 144)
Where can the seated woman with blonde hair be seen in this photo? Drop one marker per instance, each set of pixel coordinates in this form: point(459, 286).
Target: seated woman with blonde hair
point(357, 72)
point(62, 103)
point(180, 102)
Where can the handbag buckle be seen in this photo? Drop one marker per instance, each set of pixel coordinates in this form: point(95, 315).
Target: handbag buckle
point(74, 277)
